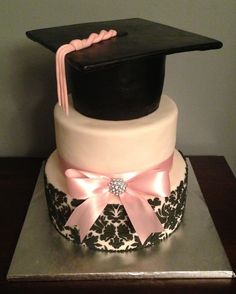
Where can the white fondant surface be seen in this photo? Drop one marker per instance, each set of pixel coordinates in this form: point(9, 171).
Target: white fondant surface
point(116, 146)
point(55, 174)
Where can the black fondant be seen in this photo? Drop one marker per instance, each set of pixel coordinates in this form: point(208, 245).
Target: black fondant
point(121, 78)
point(121, 91)
point(144, 38)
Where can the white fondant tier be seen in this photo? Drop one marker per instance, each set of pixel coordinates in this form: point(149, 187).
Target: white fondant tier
point(116, 146)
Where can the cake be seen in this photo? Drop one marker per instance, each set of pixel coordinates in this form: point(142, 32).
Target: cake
point(116, 181)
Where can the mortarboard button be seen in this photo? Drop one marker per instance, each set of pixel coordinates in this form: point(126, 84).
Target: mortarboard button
point(121, 78)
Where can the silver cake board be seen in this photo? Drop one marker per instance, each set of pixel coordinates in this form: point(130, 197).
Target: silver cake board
point(193, 251)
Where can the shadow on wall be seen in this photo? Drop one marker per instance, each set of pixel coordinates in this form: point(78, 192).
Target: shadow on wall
point(35, 84)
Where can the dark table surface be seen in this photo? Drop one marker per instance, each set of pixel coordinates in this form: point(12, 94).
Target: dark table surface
point(17, 180)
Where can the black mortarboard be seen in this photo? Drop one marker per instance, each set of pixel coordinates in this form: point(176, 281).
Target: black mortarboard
point(121, 78)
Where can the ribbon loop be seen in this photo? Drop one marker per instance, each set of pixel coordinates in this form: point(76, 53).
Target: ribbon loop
point(81, 186)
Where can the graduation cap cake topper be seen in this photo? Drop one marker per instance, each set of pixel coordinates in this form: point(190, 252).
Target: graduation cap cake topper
point(121, 78)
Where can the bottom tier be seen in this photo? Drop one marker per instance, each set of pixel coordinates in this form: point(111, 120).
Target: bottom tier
point(113, 230)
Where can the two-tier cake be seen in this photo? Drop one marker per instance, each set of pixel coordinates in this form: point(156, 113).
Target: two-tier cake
point(116, 181)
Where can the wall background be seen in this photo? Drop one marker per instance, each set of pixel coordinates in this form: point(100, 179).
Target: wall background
point(202, 83)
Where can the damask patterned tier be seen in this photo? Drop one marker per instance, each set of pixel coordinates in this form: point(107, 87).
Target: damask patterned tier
point(113, 230)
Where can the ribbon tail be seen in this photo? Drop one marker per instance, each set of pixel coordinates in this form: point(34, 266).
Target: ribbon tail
point(141, 215)
point(85, 215)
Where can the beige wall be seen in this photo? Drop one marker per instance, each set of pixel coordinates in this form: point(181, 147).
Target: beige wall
point(202, 83)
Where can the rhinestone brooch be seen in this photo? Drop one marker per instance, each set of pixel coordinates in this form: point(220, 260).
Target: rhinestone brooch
point(117, 186)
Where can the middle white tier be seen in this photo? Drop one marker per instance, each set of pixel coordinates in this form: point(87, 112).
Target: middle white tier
point(116, 146)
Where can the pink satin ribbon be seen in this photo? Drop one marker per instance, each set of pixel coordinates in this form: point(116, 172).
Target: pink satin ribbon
point(94, 189)
point(60, 61)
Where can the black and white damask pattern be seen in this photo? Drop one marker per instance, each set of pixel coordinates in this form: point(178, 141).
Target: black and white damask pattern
point(113, 230)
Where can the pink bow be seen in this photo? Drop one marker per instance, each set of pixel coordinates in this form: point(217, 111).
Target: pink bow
point(131, 188)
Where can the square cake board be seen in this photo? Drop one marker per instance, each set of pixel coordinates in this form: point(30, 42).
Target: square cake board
point(193, 251)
